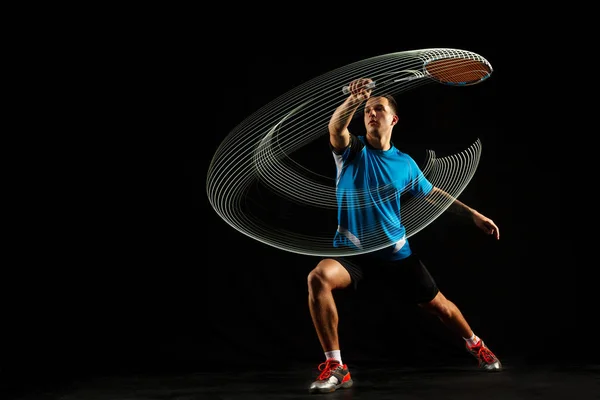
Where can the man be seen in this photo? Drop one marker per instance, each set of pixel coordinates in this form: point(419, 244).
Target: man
point(361, 161)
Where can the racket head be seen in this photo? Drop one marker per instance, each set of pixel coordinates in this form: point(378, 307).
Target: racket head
point(457, 68)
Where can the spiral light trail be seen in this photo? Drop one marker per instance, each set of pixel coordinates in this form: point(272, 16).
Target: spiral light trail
point(256, 185)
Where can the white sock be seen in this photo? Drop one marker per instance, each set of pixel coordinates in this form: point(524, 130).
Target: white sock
point(335, 354)
point(472, 341)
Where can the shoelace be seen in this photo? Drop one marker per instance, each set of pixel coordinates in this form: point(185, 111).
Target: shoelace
point(486, 354)
point(327, 367)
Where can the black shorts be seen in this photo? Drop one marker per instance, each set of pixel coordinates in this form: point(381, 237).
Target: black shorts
point(409, 278)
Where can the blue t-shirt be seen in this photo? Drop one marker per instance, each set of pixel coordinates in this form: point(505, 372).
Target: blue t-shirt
point(369, 184)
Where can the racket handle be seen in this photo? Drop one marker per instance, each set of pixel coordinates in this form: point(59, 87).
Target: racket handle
point(346, 89)
point(408, 78)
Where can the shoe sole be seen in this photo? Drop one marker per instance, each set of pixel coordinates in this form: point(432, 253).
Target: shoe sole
point(344, 385)
point(494, 369)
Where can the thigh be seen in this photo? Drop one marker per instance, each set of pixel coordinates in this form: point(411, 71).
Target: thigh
point(354, 267)
point(412, 281)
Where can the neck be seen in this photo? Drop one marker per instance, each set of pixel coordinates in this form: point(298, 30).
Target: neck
point(379, 142)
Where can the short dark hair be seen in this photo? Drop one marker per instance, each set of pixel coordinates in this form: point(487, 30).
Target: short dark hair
point(392, 101)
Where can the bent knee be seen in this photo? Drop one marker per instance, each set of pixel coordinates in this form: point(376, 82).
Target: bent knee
point(330, 274)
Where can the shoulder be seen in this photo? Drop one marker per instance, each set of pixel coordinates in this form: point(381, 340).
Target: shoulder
point(405, 156)
point(400, 154)
point(356, 144)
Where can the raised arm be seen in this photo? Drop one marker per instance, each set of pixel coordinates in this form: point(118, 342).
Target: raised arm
point(339, 136)
point(459, 208)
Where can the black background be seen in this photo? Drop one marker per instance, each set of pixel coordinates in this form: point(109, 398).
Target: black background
point(522, 294)
point(152, 278)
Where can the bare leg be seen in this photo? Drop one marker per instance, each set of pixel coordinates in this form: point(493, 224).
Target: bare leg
point(327, 276)
point(449, 314)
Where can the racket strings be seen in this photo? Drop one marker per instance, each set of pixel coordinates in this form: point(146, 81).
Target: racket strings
point(458, 71)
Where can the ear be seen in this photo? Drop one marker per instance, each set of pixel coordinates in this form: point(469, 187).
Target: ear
point(395, 120)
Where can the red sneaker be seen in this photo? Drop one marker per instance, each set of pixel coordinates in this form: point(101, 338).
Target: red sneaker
point(332, 377)
point(486, 359)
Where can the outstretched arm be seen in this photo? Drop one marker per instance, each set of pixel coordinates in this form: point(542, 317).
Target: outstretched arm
point(339, 136)
point(459, 208)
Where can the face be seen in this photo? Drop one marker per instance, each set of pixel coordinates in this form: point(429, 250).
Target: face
point(379, 117)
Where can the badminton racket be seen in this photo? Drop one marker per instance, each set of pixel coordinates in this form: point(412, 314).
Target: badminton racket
point(447, 66)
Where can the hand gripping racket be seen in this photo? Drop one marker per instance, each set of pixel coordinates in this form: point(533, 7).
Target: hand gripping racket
point(446, 66)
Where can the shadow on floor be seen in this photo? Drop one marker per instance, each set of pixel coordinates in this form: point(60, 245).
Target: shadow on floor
point(576, 382)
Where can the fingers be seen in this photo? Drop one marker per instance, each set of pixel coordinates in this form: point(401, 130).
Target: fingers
point(359, 87)
point(495, 233)
point(489, 227)
point(493, 230)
